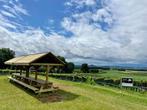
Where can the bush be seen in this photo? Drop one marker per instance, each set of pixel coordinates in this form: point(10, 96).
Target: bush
point(94, 71)
point(85, 68)
point(6, 71)
point(90, 80)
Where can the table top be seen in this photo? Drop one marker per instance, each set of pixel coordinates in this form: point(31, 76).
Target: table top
point(32, 79)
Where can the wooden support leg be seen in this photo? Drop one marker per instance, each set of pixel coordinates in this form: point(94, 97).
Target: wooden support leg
point(10, 69)
point(47, 71)
point(27, 71)
point(36, 75)
point(20, 71)
point(41, 88)
point(15, 69)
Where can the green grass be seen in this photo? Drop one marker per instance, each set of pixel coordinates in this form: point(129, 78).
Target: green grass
point(73, 96)
point(115, 74)
point(137, 75)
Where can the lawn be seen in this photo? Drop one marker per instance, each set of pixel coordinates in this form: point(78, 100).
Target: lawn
point(71, 96)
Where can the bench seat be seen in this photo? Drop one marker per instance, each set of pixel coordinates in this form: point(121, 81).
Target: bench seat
point(24, 84)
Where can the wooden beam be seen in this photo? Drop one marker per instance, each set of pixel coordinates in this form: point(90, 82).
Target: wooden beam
point(20, 64)
point(44, 64)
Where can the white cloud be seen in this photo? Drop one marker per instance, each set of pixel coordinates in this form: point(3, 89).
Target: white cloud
point(19, 9)
point(84, 2)
point(5, 13)
point(123, 42)
point(6, 23)
point(51, 21)
point(14, 10)
point(81, 3)
point(31, 41)
point(103, 15)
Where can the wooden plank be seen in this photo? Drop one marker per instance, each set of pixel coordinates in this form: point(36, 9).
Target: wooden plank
point(23, 84)
point(46, 90)
point(50, 64)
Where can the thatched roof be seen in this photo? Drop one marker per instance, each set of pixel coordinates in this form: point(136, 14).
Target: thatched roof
point(36, 59)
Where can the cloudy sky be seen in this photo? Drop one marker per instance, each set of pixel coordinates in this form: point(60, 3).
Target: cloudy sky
point(101, 32)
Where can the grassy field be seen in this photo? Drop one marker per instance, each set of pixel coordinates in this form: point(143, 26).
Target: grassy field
point(71, 96)
point(136, 75)
point(116, 74)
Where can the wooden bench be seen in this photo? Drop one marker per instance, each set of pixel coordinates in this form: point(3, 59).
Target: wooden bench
point(30, 78)
point(24, 84)
point(38, 86)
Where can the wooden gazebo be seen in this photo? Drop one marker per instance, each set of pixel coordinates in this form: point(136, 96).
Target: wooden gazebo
point(47, 60)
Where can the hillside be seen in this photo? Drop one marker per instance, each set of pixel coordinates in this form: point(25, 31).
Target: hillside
point(71, 96)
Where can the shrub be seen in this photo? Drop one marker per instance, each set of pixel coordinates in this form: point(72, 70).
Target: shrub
point(6, 71)
point(94, 71)
point(90, 80)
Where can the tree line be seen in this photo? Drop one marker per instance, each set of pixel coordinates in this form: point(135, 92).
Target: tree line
point(5, 54)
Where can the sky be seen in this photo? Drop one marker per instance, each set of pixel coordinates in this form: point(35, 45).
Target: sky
point(98, 32)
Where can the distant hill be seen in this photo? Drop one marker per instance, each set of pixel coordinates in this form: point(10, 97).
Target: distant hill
point(120, 67)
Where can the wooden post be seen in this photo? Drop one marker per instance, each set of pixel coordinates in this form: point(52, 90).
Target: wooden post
point(27, 71)
point(47, 71)
point(36, 72)
point(11, 67)
point(15, 69)
point(36, 75)
point(21, 71)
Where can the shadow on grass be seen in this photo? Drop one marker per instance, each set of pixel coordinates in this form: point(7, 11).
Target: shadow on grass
point(50, 97)
point(58, 96)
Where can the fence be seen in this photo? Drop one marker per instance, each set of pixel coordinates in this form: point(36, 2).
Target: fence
point(138, 85)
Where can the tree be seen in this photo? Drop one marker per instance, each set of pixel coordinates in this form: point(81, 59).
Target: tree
point(69, 67)
point(5, 54)
point(85, 68)
point(61, 58)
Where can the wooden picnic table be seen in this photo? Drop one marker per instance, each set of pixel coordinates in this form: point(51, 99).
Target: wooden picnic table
point(38, 83)
point(31, 78)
